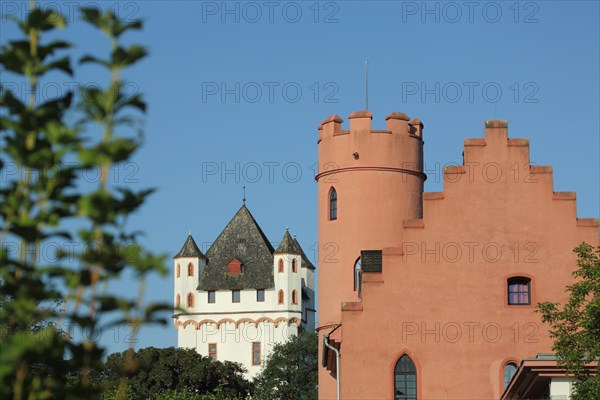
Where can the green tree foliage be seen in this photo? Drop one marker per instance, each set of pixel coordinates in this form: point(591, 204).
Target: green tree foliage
point(175, 373)
point(46, 198)
point(575, 327)
point(291, 370)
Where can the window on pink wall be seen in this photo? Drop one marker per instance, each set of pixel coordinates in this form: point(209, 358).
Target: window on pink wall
point(519, 291)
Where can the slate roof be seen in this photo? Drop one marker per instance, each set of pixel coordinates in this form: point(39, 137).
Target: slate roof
point(190, 249)
point(243, 239)
point(305, 260)
point(370, 261)
point(288, 245)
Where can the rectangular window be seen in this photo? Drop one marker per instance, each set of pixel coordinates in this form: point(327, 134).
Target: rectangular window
point(260, 295)
point(235, 296)
point(212, 350)
point(256, 353)
point(519, 291)
point(211, 296)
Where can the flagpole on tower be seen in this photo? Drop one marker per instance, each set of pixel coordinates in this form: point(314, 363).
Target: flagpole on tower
point(367, 85)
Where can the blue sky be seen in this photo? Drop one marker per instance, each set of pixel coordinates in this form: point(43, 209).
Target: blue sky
point(236, 91)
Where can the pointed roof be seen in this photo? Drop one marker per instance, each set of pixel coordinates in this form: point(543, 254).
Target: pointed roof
point(242, 239)
point(288, 245)
point(190, 249)
point(305, 260)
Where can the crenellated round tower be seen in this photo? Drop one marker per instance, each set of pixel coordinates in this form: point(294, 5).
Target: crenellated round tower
point(369, 182)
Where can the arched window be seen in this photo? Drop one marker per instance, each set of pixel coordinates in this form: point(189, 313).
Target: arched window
point(190, 269)
point(357, 275)
point(509, 371)
point(294, 297)
point(280, 296)
point(190, 300)
point(178, 270)
point(332, 204)
point(405, 379)
point(519, 291)
point(281, 265)
point(177, 300)
point(294, 265)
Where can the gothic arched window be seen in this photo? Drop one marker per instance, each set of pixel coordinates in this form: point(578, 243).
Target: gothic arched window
point(294, 297)
point(294, 267)
point(510, 369)
point(190, 300)
point(178, 270)
point(281, 265)
point(405, 379)
point(333, 206)
point(357, 275)
point(190, 269)
point(177, 300)
point(280, 296)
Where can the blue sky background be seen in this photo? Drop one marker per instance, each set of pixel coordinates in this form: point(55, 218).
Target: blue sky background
point(543, 57)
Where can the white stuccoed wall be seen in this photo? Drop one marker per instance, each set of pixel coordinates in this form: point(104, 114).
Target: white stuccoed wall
point(187, 284)
point(560, 388)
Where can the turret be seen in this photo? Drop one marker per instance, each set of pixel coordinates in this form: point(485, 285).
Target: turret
point(288, 274)
point(369, 181)
point(188, 264)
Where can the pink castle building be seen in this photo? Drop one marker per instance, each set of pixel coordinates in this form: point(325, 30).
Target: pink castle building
point(433, 295)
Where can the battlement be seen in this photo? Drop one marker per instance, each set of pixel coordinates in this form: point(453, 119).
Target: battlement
point(398, 148)
point(397, 123)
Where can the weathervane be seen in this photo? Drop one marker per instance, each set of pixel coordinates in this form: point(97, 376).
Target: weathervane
point(244, 198)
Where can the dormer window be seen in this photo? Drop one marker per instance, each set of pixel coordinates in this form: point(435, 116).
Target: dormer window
point(234, 267)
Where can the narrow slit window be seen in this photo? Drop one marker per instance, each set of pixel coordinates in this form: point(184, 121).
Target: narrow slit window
point(333, 204)
point(256, 353)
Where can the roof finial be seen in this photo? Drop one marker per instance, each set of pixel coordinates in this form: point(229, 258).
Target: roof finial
point(189, 232)
point(287, 228)
point(244, 198)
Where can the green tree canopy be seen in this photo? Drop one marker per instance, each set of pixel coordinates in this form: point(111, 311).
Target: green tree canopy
point(291, 370)
point(176, 372)
point(48, 145)
point(575, 327)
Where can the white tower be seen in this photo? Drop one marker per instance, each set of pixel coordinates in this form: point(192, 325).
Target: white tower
point(189, 263)
point(243, 296)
